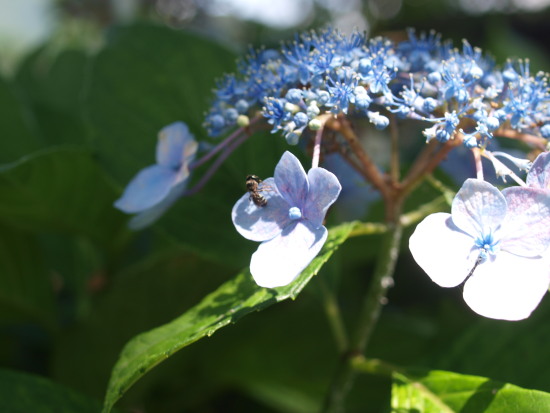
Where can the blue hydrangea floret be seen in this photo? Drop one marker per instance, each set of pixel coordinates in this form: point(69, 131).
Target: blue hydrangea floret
point(495, 243)
point(290, 227)
point(155, 188)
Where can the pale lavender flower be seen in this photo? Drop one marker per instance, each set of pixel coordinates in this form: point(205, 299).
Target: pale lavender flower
point(494, 243)
point(290, 227)
point(539, 174)
point(155, 188)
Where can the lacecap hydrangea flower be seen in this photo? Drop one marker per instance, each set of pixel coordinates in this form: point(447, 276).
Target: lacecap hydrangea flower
point(290, 226)
point(495, 243)
point(155, 188)
point(539, 174)
point(422, 78)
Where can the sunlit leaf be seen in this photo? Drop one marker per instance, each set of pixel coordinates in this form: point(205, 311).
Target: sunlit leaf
point(446, 392)
point(231, 301)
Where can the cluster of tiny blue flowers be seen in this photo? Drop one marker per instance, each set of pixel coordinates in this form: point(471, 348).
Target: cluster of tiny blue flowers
point(420, 78)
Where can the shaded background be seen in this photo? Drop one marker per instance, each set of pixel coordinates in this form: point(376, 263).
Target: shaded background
point(90, 293)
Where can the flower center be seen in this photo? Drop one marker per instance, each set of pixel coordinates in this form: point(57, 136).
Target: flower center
point(488, 245)
point(294, 213)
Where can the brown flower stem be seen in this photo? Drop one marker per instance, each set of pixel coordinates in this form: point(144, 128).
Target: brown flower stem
point(370, 171)
point(537, 141)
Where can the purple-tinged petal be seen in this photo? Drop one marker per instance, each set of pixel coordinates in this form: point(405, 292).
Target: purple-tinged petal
point(508, 287)
point(147, 217)
point(175, 145)
point(261, 223)
point(291, 180)
point(149, 187)
point(279, 261)
point(478, 208)
point(526, 229)
point(324, 189)
point(539, 174)
point(442, 250)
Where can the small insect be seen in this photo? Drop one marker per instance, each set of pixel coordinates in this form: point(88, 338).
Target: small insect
point(253, 186)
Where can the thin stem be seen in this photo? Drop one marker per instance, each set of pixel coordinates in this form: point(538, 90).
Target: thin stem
point(537, 141)
point(222, 145)
point(216, 164)
point(394, 162)
point(438, 204)
point(334, 316)
point(372, 305)
point(368, 228)
point(317, 147)
point(429, 164)
point(477, 162)
point(370, 171)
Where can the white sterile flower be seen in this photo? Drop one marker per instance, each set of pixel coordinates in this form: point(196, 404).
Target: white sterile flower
point(493, 242)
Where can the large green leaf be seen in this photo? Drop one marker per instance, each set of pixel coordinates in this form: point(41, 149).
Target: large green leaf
point(16, 124)
point(26, 290)
point(145, 78)
point(59, 190)
point(231, 301)
point(52, 85)
point(447, 392)
point(24, 393)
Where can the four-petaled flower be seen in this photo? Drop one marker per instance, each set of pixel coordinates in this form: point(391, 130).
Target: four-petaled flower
point(155, 188)
point(495, 242)
point(290, 226)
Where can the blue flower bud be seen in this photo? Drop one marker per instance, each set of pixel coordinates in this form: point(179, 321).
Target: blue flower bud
point(379, 121)
point(476, 71)
point(312, 110)
point(461, 95)
point(500, 115)
point(231, 115)
point(292, 138)
point(492, 123)
point(362, 101)
point(294, 95)
point(429, 104)
point(545, 131)
point(323, 97)
point(317, 81)
point(470, 141)
point(434, 77)
point(217, 121)
point(241, 106)
point(301, 119)
point(442, 135)
point(364, 66)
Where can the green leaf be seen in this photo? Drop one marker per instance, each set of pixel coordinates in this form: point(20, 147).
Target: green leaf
point(16, 124)
point(231, 301)
point(59, 190)
point(145, 78)
point(24, 393)
point(53, 86)
point(26, 290)
point(446, 392)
